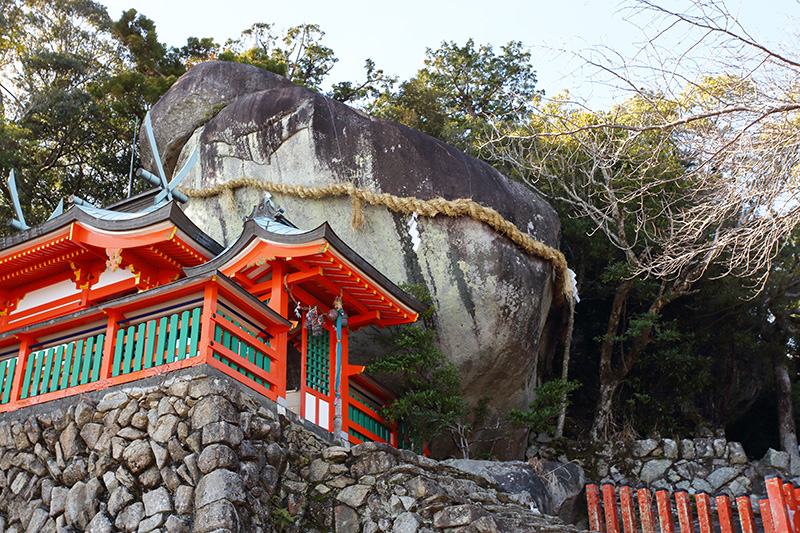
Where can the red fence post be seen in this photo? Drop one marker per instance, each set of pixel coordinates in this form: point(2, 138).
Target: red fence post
point(684, 508)
point(628, 512)
point(777, 505)
point(593, 502)
point(610, 508)
point(766, 515)
point(704, 512)
point(646, 510)
point(664, 511)
point(746, 517)
point(791, 504)
point(724, 512)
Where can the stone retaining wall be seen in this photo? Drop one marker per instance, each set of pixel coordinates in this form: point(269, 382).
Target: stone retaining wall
point(194, 452)
point(712, 465)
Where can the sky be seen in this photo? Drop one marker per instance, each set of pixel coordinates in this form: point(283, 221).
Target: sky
point(396, 34)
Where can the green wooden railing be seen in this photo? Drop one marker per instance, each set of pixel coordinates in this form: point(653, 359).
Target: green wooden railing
point(239, 345)
point(7, 367)
point(318, 362)
point(58, 367)
point(157, 342)
point(360, 418)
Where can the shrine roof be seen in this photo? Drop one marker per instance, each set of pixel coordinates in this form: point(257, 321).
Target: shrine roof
point(112, 221)
point(158, 240)
point(314, 244)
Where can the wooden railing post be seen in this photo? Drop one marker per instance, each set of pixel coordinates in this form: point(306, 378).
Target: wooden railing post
point(595, 512)
point(19, 371)
point(746, 517)
point(628, 512)
point(704, 512)
point(206, 319)
point(664, 511)
point(684, 508)
point(646, 510)
point(610, 507)
point(112, 326)
point(791, 503)
point(766, 515)
point(725, 514)
point(780, 518)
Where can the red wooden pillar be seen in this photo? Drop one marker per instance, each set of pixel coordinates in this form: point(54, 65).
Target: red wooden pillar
point(345, 387)
point(684, 508)
point(19, 371)
point(303, 364)
point(595, 512)
point(646, 510)
point(206, 319)
point(332, 376)
point(112, 327)
point(628, 513)
point(777, 505)
point(725, 514)
point(704, 512)
point(279, 302)
point(664, 511)
point(766, 515)
point(746, 517)
point(610, 507)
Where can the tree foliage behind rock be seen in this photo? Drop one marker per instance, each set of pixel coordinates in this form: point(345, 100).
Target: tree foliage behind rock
point(459, 88)
point(429, 402)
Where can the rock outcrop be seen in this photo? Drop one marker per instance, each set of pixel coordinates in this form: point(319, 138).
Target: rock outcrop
point(492, 299)
point(555, 488)
point(194, 452)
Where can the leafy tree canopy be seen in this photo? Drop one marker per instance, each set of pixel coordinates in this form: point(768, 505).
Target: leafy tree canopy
point(459, 87)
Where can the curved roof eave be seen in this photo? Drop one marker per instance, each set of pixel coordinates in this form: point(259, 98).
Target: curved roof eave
point(170, 211)
point(253, 230)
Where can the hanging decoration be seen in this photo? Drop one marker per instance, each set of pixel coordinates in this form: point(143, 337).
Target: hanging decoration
point(315, 322)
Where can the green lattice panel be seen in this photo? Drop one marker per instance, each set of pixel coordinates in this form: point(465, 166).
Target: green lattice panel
point(318, 362)
point(368, 423)
point(243, 349)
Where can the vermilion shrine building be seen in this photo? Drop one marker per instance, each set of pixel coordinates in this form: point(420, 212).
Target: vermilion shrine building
point(94, 298)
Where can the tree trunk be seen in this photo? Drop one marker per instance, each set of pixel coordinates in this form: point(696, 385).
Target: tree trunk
point(783, 386)
point(602, 413)
point(562, 412)
point(608, 379)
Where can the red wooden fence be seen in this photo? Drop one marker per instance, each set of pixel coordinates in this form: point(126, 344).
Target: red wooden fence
point(779, 511)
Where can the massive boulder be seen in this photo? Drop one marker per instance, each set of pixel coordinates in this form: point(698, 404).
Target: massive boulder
point(492, 299)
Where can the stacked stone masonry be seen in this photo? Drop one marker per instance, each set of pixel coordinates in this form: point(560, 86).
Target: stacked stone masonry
point(196, 454)
point(711, 465)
